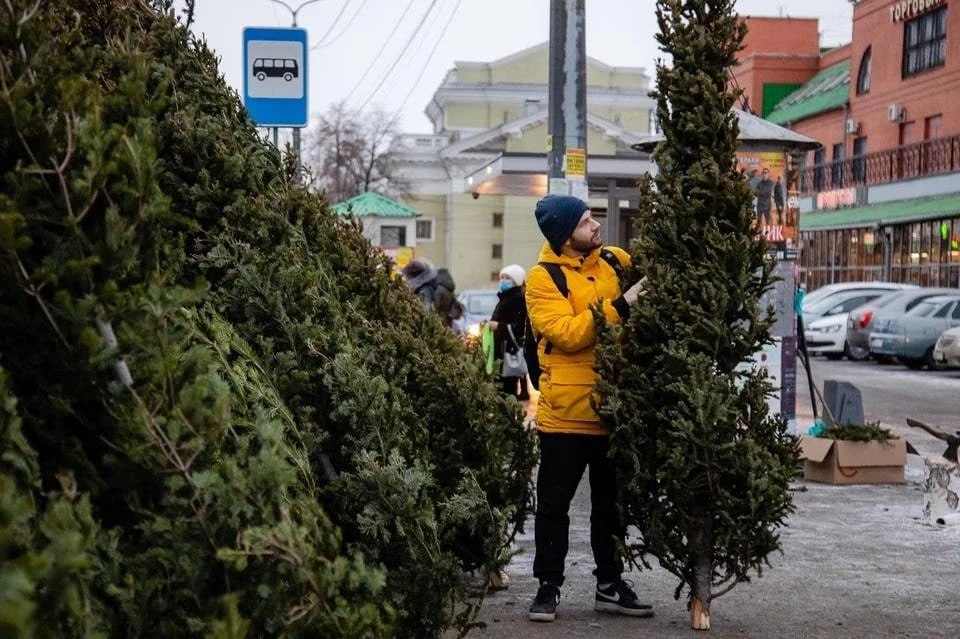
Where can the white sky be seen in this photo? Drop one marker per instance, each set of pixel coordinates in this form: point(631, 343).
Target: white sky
point(619, 32)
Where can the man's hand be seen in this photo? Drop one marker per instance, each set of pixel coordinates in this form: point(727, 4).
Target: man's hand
point(636, 291)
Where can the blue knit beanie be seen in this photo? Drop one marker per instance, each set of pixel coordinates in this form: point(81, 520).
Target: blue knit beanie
point(558, 216)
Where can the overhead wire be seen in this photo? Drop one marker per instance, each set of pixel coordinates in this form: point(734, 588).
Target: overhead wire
point(376, 57)
point(399, 57)
point(426, 64)
point(323, 42)
point(333, 25)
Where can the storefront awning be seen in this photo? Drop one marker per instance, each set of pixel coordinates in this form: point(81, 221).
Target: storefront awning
point(884, 213)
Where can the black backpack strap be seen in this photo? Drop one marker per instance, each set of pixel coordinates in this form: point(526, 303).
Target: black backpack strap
point(560, 281)
point(610, 258)
point(556, 274)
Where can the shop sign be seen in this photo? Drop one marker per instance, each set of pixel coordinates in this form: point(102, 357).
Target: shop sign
point(906, 9)
point(836, 198)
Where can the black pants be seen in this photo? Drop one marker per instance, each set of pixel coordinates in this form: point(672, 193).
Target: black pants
point(563, 459)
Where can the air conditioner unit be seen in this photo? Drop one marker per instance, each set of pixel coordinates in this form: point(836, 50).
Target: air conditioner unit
point(896, 113)
point(851, 126)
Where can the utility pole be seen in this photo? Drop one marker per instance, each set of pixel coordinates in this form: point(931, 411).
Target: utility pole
point(567, 94)
point(296, 130)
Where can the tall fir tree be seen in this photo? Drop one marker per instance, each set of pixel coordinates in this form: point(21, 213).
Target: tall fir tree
point(705, 467)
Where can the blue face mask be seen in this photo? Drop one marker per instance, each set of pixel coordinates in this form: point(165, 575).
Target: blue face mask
point(505, 285)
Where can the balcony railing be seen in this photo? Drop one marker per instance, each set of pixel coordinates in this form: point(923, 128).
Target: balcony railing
point(930, 157)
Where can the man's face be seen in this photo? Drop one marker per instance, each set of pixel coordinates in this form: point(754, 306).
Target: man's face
point(586, 237)
point(766, 174)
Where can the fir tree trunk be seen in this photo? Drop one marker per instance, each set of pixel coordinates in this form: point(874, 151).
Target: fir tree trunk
point(702, 545)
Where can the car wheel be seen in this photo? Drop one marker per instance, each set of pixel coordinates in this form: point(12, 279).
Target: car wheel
point(288, 76)
point(261, 77)
point(928, 359)
point(855, 353)
point(913, 363)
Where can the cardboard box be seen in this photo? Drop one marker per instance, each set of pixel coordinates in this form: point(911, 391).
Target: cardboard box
point(834, 461)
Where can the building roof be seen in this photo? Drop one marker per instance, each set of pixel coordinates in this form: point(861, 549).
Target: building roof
point(372, 204)
point(754, 130)
point(826, 91)
point(921, 208)
point(518, 125)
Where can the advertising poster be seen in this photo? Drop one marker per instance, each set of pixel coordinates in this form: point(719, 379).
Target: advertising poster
point(775, 204)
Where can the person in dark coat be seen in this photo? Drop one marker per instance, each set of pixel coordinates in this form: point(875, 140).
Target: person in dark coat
point(510, 311)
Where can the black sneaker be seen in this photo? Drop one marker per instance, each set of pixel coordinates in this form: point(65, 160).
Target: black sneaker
point(619, 598)
point(544, 607)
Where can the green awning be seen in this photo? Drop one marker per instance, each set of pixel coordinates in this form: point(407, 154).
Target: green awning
point(826, 91)
point(373, 204)
point(921, 208)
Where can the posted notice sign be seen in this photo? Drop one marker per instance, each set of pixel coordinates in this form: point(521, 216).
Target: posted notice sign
point(275, 76)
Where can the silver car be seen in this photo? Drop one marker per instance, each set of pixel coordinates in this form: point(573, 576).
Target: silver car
point(946, 352)
point(478, 305)
point(826, 299)
point(861, 320)
point(911, 337)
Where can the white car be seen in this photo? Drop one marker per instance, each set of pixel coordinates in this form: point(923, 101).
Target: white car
point(946, 352)
point(840, 298)
point(828, 336)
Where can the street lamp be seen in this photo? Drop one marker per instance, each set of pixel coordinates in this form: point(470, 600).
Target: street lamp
point(294, 12)
point(293, 15)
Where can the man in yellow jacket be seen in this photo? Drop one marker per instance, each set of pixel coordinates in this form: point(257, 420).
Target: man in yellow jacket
point(571, 437)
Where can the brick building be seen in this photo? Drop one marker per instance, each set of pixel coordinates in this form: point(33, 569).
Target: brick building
point(880, 199)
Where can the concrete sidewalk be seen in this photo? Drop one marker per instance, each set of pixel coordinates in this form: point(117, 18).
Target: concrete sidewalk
point(857, 562)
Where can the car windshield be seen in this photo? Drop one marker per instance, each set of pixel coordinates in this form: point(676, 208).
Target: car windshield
point(824, 304)
point(481, 303)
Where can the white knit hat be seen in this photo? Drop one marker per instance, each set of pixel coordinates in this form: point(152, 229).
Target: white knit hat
point(515, 272)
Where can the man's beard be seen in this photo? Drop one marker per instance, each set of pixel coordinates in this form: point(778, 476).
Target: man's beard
point(584, 247)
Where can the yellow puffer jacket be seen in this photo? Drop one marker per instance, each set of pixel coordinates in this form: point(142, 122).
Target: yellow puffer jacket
point(569, 335)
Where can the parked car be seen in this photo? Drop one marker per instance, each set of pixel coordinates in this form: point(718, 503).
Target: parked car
point(946, 352)
point(861, 320)
point(911, 337)
point(827, 298)
point(828, 334)
point(478, 305)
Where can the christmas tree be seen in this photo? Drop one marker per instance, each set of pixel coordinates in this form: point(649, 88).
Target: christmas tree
point(220, 415)
point(704, 467)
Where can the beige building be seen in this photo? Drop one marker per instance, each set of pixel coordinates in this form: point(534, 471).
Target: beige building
point(476, 178)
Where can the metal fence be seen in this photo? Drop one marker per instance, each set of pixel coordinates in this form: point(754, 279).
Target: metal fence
point(930, 157)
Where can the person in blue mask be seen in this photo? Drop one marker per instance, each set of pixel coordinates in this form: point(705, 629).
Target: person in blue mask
point(507, 323)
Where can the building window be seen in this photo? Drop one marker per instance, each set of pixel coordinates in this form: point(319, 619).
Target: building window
point(498, 220)
point(859, 163)
point(819, 158)
point(425, 230)
point(836, 171)
point(530, 106)
point(925, 42)
point(494, 276)
point(863, 76)
point(497, 252)
point(393, 236)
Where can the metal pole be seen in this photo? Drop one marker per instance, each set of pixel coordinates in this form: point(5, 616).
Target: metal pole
point(276, 137)
point(567, 90)
point(296, 130)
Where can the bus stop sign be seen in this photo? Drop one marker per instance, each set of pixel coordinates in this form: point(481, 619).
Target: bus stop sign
point(275, 76)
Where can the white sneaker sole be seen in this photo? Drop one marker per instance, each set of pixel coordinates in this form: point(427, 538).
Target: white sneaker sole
point(609, 606)
point(542, 616)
